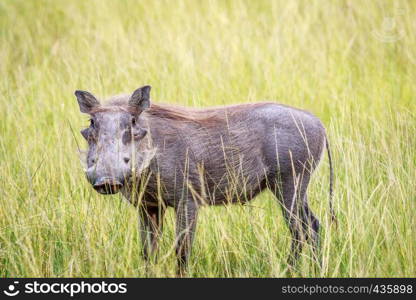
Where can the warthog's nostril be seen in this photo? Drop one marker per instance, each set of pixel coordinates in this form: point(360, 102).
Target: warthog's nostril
point(126, 160)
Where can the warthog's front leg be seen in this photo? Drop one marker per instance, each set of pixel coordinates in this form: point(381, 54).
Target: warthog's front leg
point(186, 217)
point(150, 226)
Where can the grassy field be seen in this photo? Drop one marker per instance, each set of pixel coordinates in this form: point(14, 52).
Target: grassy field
point(352, 63)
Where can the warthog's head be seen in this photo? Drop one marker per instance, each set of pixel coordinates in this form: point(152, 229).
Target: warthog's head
point(117, 141)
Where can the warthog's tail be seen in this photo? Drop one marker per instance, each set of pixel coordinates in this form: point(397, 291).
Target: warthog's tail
point(331, 183)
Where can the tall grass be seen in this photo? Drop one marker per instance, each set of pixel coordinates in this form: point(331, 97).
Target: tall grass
point(342, 60)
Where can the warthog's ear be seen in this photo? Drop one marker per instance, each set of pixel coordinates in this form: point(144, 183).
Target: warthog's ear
point(141, 98)
point(86, 101)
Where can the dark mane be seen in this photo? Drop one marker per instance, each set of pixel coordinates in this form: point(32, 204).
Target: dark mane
point(184, 114)
point(176, 113)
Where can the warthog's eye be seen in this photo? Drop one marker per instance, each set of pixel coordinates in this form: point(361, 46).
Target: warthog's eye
point(139, 134)
point(92, 123)
point(133, 121)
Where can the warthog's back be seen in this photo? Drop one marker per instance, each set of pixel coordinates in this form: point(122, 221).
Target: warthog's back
point(229, 154)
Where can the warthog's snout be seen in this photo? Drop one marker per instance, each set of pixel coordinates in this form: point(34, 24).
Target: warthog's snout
point(107, 185)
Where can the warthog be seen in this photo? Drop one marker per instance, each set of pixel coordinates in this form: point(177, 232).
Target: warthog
point(161, 156)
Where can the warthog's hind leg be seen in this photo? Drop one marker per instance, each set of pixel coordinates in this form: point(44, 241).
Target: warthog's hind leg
point(311, 230)
point(303, 225)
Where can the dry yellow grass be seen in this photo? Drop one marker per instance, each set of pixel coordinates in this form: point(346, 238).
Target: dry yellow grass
point(352, 63)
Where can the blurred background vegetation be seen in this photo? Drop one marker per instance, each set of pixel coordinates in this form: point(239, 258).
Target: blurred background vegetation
point(352, 63)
